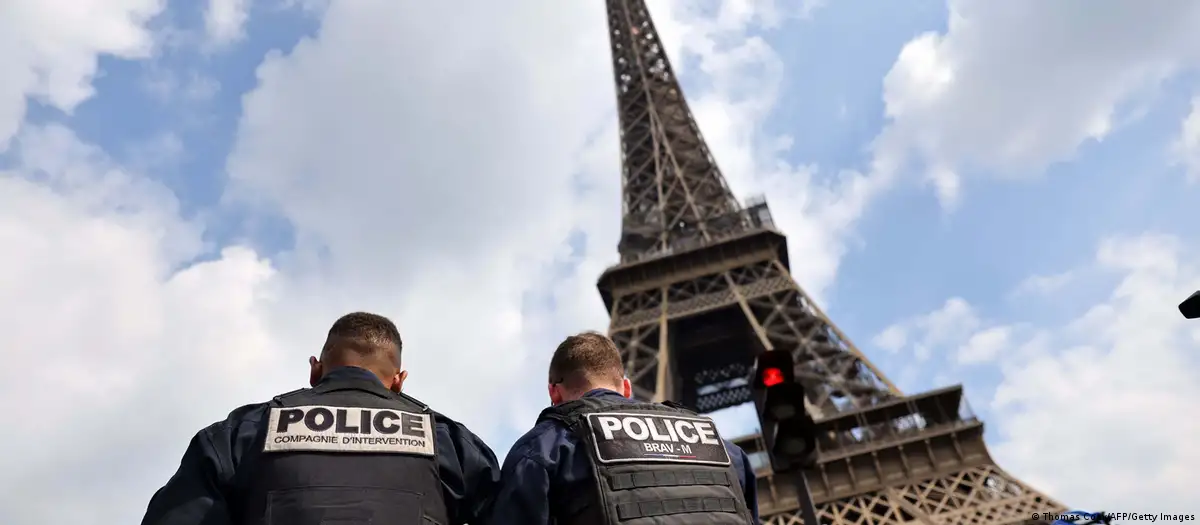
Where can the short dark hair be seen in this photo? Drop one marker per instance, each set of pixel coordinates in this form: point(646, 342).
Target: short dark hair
point(586, 360)
point(362, 338)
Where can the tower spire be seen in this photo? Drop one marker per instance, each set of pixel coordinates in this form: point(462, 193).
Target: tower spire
point(673, 194)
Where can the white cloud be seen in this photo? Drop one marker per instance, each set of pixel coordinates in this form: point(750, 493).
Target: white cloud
point(224, 20)
point(976, 97)
point(1044, 284)
point(892, 338)
point(1124, 374)
point(49, 48)
point(102, 326)
point(1097, 411)
point(418, 190)
point(984, 345)
point(1187, 146)
point(955, 321)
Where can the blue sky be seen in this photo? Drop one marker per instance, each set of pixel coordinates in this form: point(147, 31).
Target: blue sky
point(228, 189)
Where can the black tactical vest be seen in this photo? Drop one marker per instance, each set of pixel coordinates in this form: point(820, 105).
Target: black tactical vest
point(346, 452)
point(654, 465)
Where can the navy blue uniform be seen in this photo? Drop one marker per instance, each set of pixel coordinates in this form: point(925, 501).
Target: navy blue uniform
point(547, 463)
point(203, 489)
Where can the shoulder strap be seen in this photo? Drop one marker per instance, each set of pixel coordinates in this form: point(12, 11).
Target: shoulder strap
point(569, 414)
point(277, 400)
point(566, 414)
point(679, 406)
point(413, 401)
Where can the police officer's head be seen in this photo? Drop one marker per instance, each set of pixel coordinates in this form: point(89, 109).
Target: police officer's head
point(362, 340)
point(585, 362)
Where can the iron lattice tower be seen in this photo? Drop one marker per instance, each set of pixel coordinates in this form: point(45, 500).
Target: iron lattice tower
point(704, 285)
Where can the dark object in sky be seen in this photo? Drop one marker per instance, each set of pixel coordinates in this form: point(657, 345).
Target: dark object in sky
point(1190, 307)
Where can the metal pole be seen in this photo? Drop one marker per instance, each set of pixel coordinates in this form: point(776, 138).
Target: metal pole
point(807, 510)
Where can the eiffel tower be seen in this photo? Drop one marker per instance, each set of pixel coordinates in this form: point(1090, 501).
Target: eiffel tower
point(703, 286)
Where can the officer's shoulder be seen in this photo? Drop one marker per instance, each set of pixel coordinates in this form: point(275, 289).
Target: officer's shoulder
point(249, 412)
point(439, 419)
point(736, 452)
point(538, 442)
point(242, 419)
point(253, 413)
point(443, 424)
point(730, 444)
point(443, 421)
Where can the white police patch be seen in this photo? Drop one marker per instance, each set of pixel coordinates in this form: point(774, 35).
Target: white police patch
point(625, 437)
point(349, 429)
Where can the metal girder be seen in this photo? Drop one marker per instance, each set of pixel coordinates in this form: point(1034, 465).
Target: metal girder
point(704, 286)
point(975, 496)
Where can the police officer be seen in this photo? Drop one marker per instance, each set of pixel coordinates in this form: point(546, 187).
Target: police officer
point(597, 457)
point(350, 450)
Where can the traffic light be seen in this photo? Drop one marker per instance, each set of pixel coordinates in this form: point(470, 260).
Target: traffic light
point(1190, 307)
point(788, 429)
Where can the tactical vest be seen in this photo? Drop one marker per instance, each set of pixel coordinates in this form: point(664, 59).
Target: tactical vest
point(349, 452)
point(653, 464)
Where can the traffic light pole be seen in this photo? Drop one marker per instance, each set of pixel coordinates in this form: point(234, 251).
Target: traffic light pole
point(808, 511)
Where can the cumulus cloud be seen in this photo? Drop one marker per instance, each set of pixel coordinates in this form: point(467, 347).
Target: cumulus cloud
point(224, 20)
point(1125, 372)
point(1187, 146)
point(419, 190)
point(101, 323)
point(1013, 86)
point(49, 50)
point(1118, 383)
point(955, 321)
point(892, 338)
point(1044, 284)
point(985, 345)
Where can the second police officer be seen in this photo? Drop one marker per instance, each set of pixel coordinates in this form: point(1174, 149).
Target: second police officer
point(597, 457)
point(350, 450)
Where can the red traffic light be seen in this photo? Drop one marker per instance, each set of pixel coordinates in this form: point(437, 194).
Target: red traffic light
point(773, 368)
point(772, 376)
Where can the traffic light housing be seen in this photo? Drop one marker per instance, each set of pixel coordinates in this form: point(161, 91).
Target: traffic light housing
point(788, 429)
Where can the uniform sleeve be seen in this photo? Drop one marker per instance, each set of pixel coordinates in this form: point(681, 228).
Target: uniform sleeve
point(469, 471)
point(524, 497)
point(750, 486)
point(194, 495)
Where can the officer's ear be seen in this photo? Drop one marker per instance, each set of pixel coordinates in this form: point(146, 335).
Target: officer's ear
point(315, 371)
point(398, 380)
point(556, 394)
point(626, 388)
